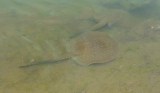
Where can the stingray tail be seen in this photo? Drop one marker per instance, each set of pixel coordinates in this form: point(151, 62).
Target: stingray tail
point(43, 62)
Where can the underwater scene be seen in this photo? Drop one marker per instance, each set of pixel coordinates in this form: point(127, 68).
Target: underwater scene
point(79, 46)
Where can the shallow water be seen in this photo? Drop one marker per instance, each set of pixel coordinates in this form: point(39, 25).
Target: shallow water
point(32, 31)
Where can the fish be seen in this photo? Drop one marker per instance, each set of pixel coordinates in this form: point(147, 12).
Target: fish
point(88, 48)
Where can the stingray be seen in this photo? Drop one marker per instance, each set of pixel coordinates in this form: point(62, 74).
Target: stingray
point(88, 48)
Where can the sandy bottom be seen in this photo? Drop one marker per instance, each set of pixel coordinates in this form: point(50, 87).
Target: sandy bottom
point(27, 39)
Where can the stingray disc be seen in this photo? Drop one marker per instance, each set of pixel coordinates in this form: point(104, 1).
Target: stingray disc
point(93, 47)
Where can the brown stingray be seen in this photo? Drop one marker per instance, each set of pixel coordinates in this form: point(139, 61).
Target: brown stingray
point(93, 47)
point(89, 48)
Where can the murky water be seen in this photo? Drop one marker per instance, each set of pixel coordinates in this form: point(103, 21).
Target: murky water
point(33, 31)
